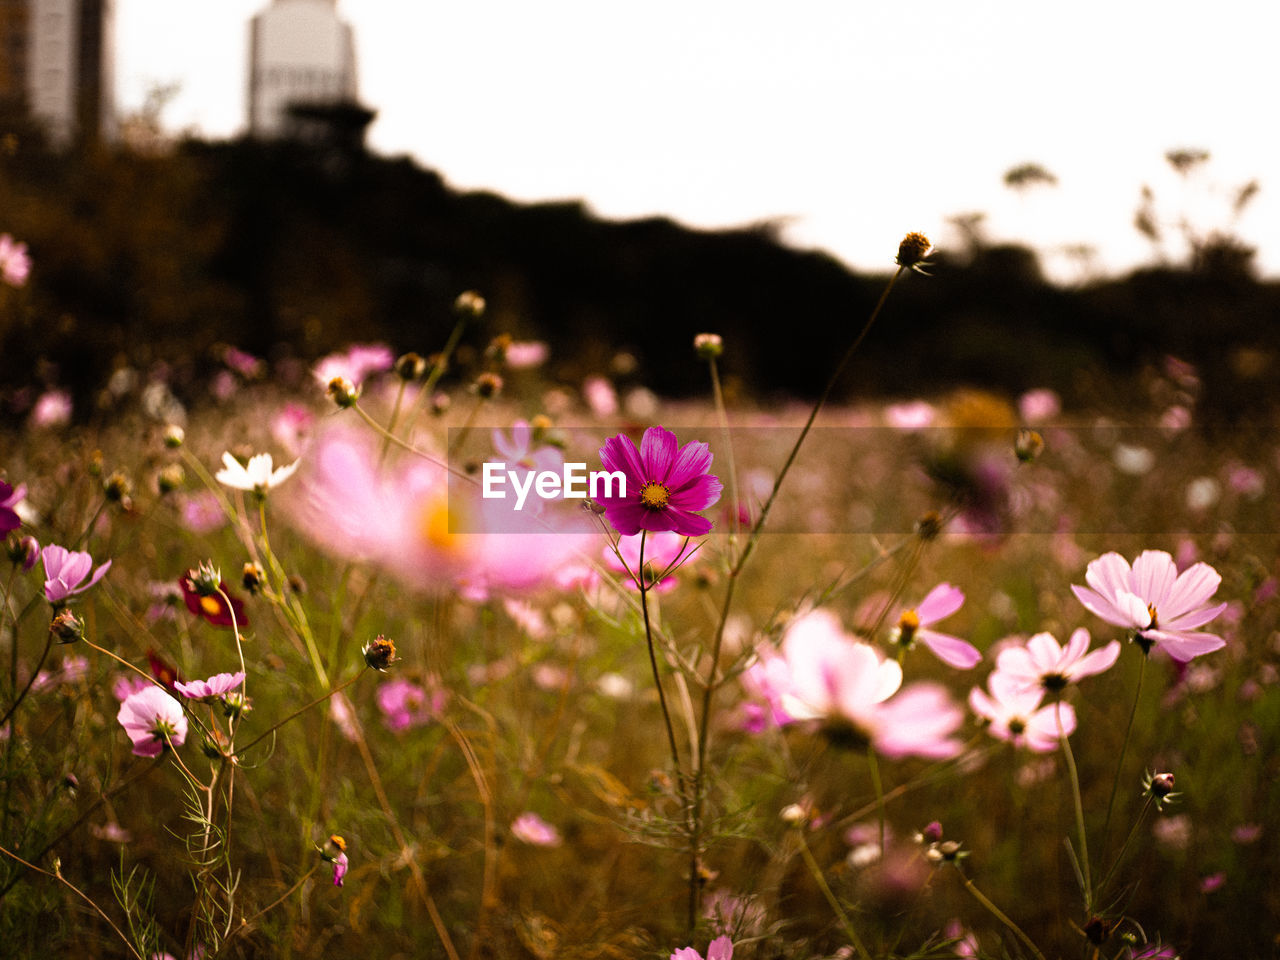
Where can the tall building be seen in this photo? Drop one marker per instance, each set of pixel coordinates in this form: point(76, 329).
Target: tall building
point(301, 57)
point(57, 66)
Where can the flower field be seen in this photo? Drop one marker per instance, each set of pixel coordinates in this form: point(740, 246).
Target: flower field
point(291, 673)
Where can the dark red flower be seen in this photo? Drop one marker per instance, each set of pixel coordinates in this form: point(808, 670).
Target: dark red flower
point(212, 606)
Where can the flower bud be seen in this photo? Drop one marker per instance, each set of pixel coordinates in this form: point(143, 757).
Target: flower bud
point(117, 487)
point(170, 478)
point(410, 366)
point(252, 577)
point(174, 435)
point(1028, 445)
point(1162, 784)
point(496, 351)
point(379, 653)
point(794, 814)
point(23, 551)
point(342, 392)
point(932, 833)
point(929, 526)
point(206, 579)
point(708, 346)
point(913, 249)
point(66, 627)
point(487, 386)
point(440, 403)
point(469, 304)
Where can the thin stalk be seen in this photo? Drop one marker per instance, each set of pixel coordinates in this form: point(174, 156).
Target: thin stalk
point(301, 710)
point(1000, 915)
point(821, 881)
point(1079, 804)
point(1115, 784)
point(735, 571)
point(722, 415)
point(642, 584)
point(437, 369)
point(879, 788)
point(1142, 815)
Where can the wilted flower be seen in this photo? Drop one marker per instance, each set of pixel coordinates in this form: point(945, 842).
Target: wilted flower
point(941, 602)
point(335, 852)
point(66, 627)
point(532, 829)
point(66, 572)
point(664, 485)
point(23, 551)
point(1044, 664)
point(257, 476)
point(379, 653)
point(1160, 605)
point(215, 688)
point(912, 251)
point(153, 720)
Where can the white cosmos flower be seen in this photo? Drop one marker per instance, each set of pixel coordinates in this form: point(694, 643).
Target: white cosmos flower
point(257, 476)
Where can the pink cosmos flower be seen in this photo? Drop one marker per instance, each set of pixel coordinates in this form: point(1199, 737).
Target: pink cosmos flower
point(1037, 406)
point(291, 427)
point(1044, 664)
point(600, 396)
point(665, 484)
point(721, 948)
point(532, 829)
point(941, 602)
point(526, 354)
point(153, 720)
point(15, 264)
point(848, 685)
point(202, 513)
point(340, 863)
point(10, 497)
point(1013, 713)
point(1161, 606)
point(52, 409)
point(65, 572)
point(405, 704)
point(360, 361)
point(215, 688)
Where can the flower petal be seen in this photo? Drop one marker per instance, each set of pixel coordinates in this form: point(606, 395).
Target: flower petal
point(658, 449)
point(940, 602)
point(950, 650)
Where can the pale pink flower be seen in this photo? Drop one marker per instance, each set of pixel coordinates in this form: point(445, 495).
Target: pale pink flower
point(360, 361)
point(52, 409)
point(215, 688)
point(127, 684)
point(848, 686)
point(1037, 406)
point(525, 354)
point(15, 263)
point(1161, 606)
point(405, 704)
point(202, 512)
point(1013, 713)
point(532, 829)
point(663, 551)
point(912, 415)
point(67, 573)
point(600, 396)
point(291, 426)
point(941, 602)
point(1044, 664)
point(153, 720)
point(721, 948)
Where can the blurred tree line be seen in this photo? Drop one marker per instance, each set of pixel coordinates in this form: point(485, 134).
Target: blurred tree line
point(295, 249)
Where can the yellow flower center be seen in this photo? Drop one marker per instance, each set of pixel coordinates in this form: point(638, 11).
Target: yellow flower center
point(908, 623)
point(654, 496)
point(1152, 610)
point(434, 520)
point(210, 606)
point(338, 842)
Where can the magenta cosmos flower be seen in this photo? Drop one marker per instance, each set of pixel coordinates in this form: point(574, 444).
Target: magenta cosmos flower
point(10, 497)
point(1013, 713)
point(941, 602)
point(665, 484)
point(66, 572)
point(153, 720)
point(215, 688)
point(1044, 664)
point(721, 948)
point(532, 829)
point(1161, 606)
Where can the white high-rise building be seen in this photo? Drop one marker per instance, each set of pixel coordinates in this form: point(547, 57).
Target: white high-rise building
point(300, 53)
point(57, 65)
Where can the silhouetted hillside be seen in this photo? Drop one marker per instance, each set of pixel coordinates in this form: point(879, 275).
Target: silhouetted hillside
point(281, 249)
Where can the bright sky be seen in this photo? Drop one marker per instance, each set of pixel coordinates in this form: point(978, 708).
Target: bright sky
point(853, 121)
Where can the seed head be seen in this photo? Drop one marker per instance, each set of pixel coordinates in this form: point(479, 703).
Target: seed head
point(912, 251)
point(170, 478)
point(708, 346)
point(379, 653)
point(251, 578)
point(487, 386)
point(1028, 445)
point(469, 304)
point(117, 487)
point(410, 366)
point(174, 435)
point(66, 627)
point(342, 392)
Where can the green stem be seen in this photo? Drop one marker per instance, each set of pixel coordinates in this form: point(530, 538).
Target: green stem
point(879, 788)
point(722, 414)
point(831, 897)
point(642, 584)
point(1000, 915)
point(1142, 814)
point(1079, 804)
point(301, 710)
point(1115, 784)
